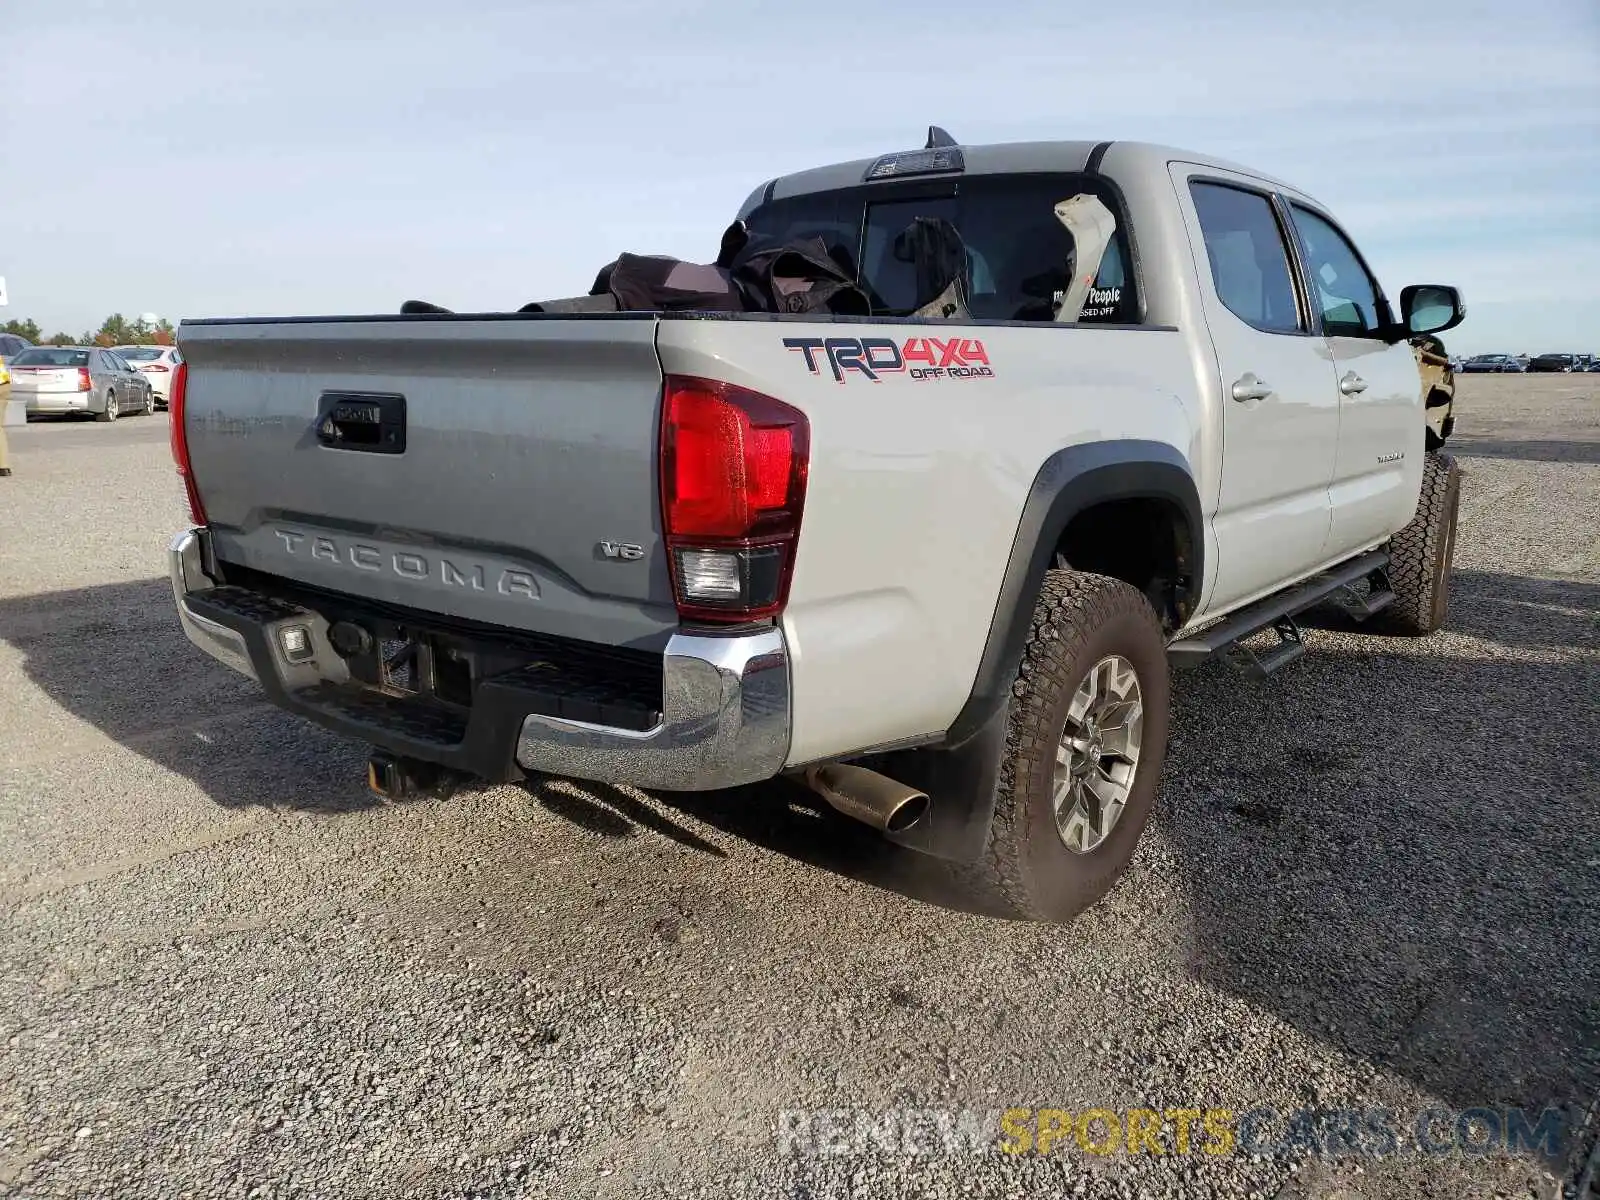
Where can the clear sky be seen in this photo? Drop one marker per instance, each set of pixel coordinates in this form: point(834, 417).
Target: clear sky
point(216, 157)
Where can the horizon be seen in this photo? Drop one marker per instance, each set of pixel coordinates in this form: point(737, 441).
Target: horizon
point(313, 162)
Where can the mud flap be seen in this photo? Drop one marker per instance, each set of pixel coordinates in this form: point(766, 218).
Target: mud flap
point(960, 782)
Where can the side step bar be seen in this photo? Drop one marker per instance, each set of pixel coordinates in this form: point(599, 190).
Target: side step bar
point(1277, 612)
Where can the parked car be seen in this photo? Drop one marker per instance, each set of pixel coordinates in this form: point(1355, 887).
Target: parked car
point(1554, 363)
point(1491, 362)
point(157, 363)
point(11, 345)
point(991, 538)
point(79, 379)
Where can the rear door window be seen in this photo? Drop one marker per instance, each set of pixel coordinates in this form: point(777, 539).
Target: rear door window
point(1248, 255)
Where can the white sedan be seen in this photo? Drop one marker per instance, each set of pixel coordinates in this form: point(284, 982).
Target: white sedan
point(156, 363)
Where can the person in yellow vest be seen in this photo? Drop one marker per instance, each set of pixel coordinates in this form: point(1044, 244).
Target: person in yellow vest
point(5, 394)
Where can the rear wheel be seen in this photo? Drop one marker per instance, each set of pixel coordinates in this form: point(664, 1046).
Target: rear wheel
point(1086, 738)
point(1421, 554)
point(111, 413)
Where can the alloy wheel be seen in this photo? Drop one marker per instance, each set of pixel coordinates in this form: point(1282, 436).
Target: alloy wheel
point(1098, 754)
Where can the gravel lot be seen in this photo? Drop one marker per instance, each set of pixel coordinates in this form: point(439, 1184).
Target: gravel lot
point(225, 970)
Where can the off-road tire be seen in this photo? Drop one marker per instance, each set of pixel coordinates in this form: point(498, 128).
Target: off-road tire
point(1026, 870)
point(1420, 555)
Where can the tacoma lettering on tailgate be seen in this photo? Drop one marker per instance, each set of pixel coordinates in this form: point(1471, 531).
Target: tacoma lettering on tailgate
point(408, 564)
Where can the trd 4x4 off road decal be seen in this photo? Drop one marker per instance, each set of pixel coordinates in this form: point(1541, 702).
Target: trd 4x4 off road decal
point(921, 358)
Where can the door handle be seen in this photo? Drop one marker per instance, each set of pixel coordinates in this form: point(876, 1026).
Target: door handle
point(1352, 383)
point(375, 423)
point(1249, 387)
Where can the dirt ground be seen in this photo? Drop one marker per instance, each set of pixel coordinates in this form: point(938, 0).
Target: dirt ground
point(1373, 883)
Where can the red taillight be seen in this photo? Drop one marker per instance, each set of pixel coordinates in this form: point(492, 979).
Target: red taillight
point(733, 481)
point(155, 367)
point(83, 379)
point(180, 441)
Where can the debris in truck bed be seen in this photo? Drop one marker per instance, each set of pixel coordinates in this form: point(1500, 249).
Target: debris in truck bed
point(752, 274)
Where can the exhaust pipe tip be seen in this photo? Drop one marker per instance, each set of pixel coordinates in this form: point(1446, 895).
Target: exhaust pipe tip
point(867, 796)
point(909, 813)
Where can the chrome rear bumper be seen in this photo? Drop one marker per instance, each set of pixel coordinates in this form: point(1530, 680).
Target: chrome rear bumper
point(725, 705)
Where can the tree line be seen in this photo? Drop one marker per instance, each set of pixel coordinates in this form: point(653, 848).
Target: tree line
point(115, 330)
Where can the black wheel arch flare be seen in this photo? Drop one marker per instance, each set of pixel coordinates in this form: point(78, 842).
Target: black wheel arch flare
point(1069, 482)
point(960, 772)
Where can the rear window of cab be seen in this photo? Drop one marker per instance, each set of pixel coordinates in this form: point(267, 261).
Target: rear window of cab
point(1019, 254)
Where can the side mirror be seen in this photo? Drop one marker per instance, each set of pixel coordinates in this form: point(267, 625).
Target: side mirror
point(1431, 308)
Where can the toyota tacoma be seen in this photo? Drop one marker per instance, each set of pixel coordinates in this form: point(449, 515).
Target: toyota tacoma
point(935, 569)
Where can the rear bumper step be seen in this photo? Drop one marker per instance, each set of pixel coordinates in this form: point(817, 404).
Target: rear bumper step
point(721, 719)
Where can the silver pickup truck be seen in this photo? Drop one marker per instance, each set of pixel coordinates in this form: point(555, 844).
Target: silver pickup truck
point(936, 570)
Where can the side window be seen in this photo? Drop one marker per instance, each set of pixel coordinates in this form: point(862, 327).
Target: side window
point(1249, 261)
point(1345, 295)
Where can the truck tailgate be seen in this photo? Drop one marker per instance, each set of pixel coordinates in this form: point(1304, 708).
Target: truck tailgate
point(497, 470)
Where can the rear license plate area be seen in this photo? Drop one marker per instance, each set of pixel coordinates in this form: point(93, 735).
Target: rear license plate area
point(441, 666)
point(405, 661)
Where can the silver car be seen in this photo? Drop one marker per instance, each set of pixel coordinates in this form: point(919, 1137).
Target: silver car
point(79, 379)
